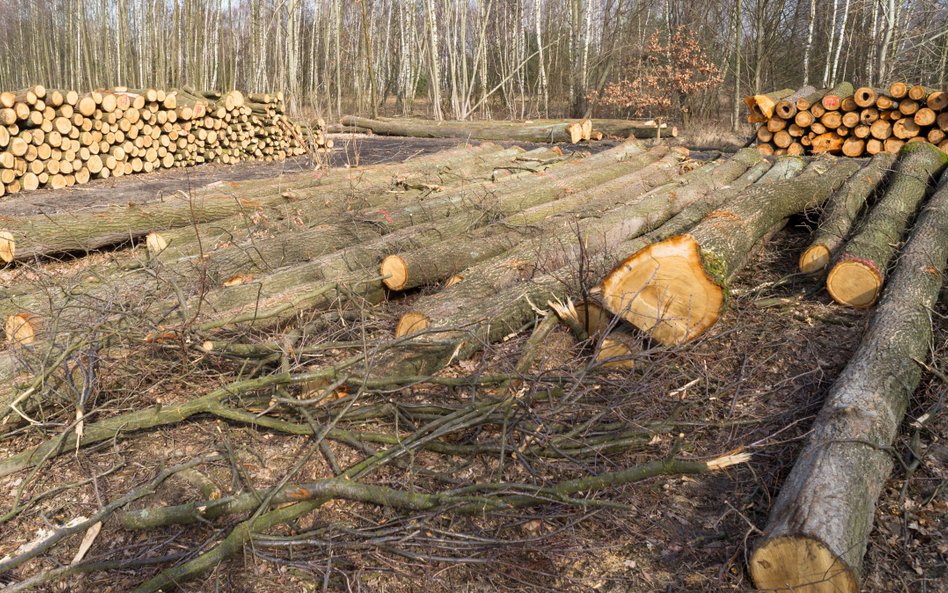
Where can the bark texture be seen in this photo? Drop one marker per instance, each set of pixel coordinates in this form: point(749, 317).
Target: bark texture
point(554, 250)
point(677, 288)
point(857, 277)
point(841, 212)
point(818, 528)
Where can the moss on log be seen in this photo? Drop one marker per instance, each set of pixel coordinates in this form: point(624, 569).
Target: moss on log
point(857, 277)
point(819, 526)
point(841, 212)
point(677, 288)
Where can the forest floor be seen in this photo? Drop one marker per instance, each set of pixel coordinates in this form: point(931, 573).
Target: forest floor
point(755, 382)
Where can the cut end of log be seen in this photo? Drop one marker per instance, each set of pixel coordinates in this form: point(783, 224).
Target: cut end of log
point(7, 246)
point(394, 270)
point(800, 564)
point(411, 323)
point(615, 352)
point(21, 329)
point(854, 284)
point(814, 259)
point(155, 244)
point(664, 290)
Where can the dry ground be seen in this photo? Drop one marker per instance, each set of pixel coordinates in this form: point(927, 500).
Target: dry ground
point(754, 382)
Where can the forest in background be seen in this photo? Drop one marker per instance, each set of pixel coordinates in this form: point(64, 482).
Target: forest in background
point(462, 59)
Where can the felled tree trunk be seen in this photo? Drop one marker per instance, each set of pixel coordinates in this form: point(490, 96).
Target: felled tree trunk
point(442, 260)
point(841, 212)
point(45, 235)
point(571, 132)
point(490, 319)
point(676, 289)
point(819, 526)
point(556, 249)
point(857, 277)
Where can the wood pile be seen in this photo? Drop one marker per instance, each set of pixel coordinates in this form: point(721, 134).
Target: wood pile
point(59, 138)
point(848, 121)
point(542, 131)
point(661, 238)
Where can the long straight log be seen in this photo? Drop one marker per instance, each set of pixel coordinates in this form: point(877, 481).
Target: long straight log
point(45, 235)
point(440, 261)
point(509, 310)
point(841, 212)
point(857, 277)
point(271, 297)
point(819, 526)
point(677, 288)
point(563, 132)
point(556, 249)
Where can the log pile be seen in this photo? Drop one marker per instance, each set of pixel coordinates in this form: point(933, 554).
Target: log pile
point(848, 121)
point(59, 138)
point(627, 246)
point(570, 132)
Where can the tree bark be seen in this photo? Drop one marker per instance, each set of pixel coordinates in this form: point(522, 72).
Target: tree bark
point(677, 288)
point(843, 208)
point(490, 319)
point(560, 132)
point(819, 526)
point(46, 235)
point(557, 249)
point(856, 279)
point(442, 260)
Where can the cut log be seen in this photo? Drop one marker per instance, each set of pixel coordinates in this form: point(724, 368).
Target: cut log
point(676, 289)
point(763, 105)
point(552, 251)
point(937, 101)
point(833, 99)
point(841, 212)
point(897, 90)
point(435, 263)
point(622, 128)
point(866, 96)
point(829, 142)
point(856, 279)
point(818, 529)
point(571, 132)
point(924, 117)
point(490, 320)
point(853, 146)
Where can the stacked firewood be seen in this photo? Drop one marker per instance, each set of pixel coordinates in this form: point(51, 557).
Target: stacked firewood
point(53, 138)
point(851, 122)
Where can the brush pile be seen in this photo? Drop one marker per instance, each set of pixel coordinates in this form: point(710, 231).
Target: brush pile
point(59, 138)
point(852, 122)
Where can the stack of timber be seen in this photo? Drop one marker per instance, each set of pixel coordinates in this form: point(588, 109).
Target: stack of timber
point(848, 121)
point(572, 132)
point(59, 138)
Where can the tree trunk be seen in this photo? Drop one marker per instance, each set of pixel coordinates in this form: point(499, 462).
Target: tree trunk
point(856, 279)
point(819, 526)
point(284, 292)
point(557, 249)
point(45, 235)
point(490, 319)
point(676, 289)
point(843, 208)
point(571, 132)
point(442, 260)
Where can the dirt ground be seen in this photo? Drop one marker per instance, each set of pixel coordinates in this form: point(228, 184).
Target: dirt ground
point(755, 382)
